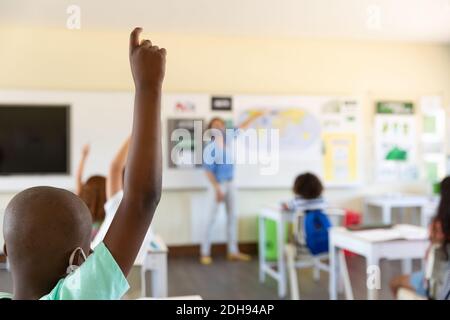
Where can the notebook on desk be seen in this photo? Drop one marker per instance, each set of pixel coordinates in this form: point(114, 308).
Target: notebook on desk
point(397, 232)
point(362, 227)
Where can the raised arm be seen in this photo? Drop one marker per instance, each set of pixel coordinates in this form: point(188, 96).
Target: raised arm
point(80, 169)
point(114, 181)
point(143, 174)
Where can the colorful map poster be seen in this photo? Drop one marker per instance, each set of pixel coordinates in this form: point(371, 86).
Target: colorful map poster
point(298, 128)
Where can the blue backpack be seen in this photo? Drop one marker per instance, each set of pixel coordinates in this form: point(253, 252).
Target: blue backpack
point(316, 226)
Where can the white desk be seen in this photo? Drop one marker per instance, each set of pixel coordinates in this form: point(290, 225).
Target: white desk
point(425, 204)
point(276, 270)
point(155, 263)
point(373, 251)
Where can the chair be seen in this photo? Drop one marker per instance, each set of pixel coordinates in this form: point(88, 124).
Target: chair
point(438, 279)
point(298, 257)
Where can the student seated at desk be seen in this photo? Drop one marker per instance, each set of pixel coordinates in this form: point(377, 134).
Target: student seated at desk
point(431, 284)
point(308, 193)
point(48, 230)
point(308, 197)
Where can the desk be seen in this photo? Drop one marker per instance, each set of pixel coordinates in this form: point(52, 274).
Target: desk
point(155, 263)
point(373, 251)
point(276, 270)
point(426, 205)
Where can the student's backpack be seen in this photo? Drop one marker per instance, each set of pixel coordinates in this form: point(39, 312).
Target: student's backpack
point(316, 225)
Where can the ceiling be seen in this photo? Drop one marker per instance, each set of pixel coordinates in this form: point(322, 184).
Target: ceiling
point(408, 20)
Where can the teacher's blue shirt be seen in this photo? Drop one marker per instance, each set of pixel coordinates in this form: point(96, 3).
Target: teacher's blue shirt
point(221, 163)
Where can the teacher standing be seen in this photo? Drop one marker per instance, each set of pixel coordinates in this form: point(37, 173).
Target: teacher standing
point(221, 188)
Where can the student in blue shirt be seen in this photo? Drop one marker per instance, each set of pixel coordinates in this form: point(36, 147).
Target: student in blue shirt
point(48, 230)
point(220, 173)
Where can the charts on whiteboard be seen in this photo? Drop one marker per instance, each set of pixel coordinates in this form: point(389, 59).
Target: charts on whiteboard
point(433, 138)
point(341, 132)
point(297, 134)
point(396, 142)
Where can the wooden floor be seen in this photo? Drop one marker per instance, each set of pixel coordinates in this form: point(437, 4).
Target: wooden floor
point(239, 280)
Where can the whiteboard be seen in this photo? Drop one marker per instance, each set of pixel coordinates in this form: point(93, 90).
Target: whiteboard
point(104, 120)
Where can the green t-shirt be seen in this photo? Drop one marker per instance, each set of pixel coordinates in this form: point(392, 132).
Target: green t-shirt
point(98, 278)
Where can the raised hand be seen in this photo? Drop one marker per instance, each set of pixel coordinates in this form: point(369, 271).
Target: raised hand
point(148, 62)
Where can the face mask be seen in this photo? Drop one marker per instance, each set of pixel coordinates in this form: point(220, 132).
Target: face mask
point(72, 267)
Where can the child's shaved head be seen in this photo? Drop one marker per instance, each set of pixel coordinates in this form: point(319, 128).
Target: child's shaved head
point(42, 227)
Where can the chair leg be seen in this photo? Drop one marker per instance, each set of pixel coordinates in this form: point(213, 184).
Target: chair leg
point(316, 270)
point(292, 271)
point(346, 277)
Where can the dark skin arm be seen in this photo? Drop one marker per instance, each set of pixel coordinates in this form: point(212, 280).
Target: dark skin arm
point(143, 174)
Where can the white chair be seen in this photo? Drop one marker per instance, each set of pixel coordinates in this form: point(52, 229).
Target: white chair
point(298, 257)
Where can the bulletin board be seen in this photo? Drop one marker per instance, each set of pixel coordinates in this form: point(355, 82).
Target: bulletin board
point(318, 134)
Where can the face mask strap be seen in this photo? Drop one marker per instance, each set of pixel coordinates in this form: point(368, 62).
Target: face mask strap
point(72, 267)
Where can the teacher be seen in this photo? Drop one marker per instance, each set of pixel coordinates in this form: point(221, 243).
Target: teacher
point(220, 173)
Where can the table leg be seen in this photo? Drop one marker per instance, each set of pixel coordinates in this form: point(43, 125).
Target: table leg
point(281, 263)
point(402, 215)
point(262, 249)
point(387, 214)
point(143, 280)
point(423, 216)
point(345, 276)
point(407, 266)
point(333, 271)
point(159, 278)
point(373, 270)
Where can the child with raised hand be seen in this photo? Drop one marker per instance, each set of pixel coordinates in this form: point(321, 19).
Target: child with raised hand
point(92, 192)
point(47, 230)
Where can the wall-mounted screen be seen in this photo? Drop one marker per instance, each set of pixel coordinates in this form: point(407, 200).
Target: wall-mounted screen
point(34, 139)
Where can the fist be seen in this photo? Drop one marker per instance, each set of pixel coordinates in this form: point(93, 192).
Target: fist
point(148, 62)
point(85, 150)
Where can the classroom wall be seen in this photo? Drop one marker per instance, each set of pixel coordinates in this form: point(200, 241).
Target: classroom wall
point(54, 59)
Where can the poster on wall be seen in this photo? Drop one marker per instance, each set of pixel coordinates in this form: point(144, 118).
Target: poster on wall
point(340, 158)
point(340, 116)
point(395, 142)
point(433, 138)
point(288, 134)
point(184, 105)
point(317, 134)
point(340, 125)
